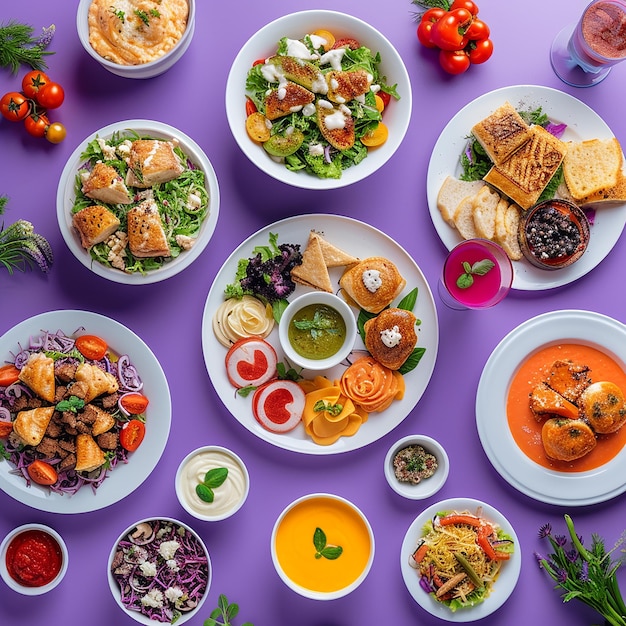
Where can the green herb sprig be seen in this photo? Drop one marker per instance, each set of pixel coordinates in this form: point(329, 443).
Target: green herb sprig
point(225, 612)
point(212, 479)
point(19, 47)
point(587, 575)
point(322, 549)
point(480, 268)
point(73, 404)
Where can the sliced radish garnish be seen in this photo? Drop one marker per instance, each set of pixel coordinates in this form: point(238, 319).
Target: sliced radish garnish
point(278, 405)
point(251, 362)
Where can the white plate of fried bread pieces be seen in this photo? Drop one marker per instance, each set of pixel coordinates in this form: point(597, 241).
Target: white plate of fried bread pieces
point(349, 239)
point(148, 207)
point(560, 488)
point(474, 209)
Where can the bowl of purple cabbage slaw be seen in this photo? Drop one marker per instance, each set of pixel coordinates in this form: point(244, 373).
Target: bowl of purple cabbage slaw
point(135, 367)
point(159, 571)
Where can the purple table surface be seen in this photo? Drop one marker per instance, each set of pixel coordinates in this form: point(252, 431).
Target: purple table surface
point(167, 316)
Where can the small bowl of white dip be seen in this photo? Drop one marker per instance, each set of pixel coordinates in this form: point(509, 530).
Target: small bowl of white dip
point(212, 483)
point(136, 38)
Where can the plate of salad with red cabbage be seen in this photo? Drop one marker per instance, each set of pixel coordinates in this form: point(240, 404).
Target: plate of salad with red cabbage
point(85, 411)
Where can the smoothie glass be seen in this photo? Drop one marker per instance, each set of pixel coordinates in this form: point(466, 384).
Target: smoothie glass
point(582, 54)
point(484, 290)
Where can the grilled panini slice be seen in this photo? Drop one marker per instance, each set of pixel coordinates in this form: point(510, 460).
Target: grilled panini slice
point(524, 176)
point(298, 71)
point(286, 99)
point(106, 185)
point(502, 133)
point(336, 124)
point(146, 236)
point(346, 86)
point(94, 224)
point(38, 374)
point(30, 426)
point(151, 162)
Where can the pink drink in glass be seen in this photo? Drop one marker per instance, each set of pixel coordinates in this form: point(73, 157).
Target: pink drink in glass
point(486, 290)
point(599, 39)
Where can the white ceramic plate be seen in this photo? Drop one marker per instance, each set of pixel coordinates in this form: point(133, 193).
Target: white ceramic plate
point(124, 478)
point(582, 123)
point(561, 488)
point(263, 44)
point(66, 197)
point(502, 588)
point(358, 239)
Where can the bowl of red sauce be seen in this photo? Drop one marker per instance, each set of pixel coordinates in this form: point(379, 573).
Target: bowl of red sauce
point(34, 559)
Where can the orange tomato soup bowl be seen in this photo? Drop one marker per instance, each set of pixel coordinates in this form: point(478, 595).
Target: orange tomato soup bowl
point(322, 546)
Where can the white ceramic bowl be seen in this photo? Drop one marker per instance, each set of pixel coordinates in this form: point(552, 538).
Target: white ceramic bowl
point(344, 525)
point(228, 497)
point(140, 617)
point(15, 585)
point(295, 25)
point(323, 298)
point(427, 486)
point(66, 197)
point(144, 70)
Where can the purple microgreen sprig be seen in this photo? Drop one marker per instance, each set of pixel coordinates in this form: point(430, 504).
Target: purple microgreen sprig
point(587, 575)
point(480, 268)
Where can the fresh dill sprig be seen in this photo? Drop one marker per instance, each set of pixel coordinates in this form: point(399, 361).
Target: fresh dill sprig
point(19, 47)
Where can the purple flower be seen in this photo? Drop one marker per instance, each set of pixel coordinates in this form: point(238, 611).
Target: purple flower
point(540, 559)
point(572, 555)
point(545, 531)
point(46, 36)
point(561, 576)
point(560, 540)
point(584, 572)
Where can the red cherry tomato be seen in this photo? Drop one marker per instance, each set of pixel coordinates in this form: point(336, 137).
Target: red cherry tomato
point(346, 42)
point(14, 106)
point(250, 107)
point(454, 61)
point(132, 435)
point(465, 4)
point(33, 82)
point(479, 51)
point(9, 374)
point(42, 473)
point(91, 347)
point(477, 30)
point(384, 96)
point(6, 428)
point(448, 33)
point(134, 403)
point(429, 18)
point(51, 96)
point(36, 124)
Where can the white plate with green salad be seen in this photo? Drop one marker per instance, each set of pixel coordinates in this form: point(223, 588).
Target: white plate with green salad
point(188, 205)
point(582, 123)
point(308, 167)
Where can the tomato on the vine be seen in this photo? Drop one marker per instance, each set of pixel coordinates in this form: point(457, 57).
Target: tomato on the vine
point(51, 96)
point(477, 30)
point(36, 124)
point(14, 106)
point(56, 132)
point(33, 82)
point(471, 6)
point(454, 61)
point(448, 33)
point(429, 18)
point(479, 51)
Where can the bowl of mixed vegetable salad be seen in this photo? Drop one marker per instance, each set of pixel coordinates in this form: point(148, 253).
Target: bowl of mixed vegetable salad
point(159, 571)
point(318, 99)
point(183, 204)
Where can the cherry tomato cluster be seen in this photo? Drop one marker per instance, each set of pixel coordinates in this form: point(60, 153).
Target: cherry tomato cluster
point(460, 36)
point(31, 105)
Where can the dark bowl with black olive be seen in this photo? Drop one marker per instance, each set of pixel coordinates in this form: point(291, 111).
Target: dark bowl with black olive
point(554, 234)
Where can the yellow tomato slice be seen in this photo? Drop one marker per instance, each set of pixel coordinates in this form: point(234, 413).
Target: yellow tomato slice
point(380, 103)
point(257, 127)
point(327, 36)
point(376, 137)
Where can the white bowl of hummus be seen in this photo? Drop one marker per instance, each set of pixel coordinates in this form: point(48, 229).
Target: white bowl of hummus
point(136, 38)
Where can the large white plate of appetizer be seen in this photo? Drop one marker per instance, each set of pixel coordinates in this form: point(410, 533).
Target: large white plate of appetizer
point(89, 410)
point(566, 118)
point(344, 417)
point(550, 408)
point(490, 551)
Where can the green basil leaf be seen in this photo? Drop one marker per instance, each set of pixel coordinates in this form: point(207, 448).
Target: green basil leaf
point(204, 493)
point(319, 539)
point(215, 477)
point(464, 281)
point(408, 302)
point(332, 552)
point(482, 267)
point(411, 363)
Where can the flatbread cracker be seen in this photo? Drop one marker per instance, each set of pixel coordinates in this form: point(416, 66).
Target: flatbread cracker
point(333, 256)
point(313, 272)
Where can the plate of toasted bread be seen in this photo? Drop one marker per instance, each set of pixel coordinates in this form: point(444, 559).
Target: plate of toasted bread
point(543, 405)
point(512, 147)
point(376, 277)
point(65, 411)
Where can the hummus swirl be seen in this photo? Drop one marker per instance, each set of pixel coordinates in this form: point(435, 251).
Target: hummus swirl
point(133, 32)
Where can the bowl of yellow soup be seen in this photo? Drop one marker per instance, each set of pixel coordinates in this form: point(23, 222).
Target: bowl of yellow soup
point(317, 330)
point(322, 546)
point(136, 38)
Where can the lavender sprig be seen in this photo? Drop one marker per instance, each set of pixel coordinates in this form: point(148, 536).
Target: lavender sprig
point(588, 575)
point(18, 46)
